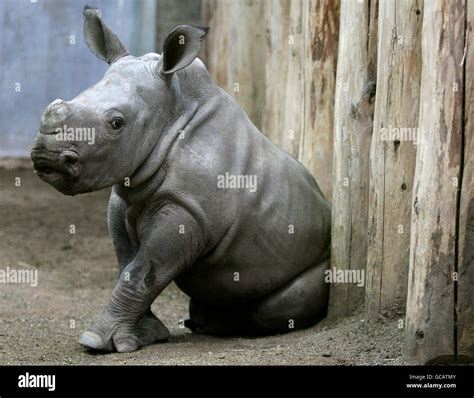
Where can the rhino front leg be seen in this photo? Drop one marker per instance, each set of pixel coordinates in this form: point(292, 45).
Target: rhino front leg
point(170, 242)
point(109, 332)
point(150, 328)
point(125, 248)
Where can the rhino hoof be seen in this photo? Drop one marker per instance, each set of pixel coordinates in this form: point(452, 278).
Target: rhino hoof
point(125, 345)
point(92, 341)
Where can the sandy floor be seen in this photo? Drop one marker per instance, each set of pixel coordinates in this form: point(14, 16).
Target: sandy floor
point(40, 325)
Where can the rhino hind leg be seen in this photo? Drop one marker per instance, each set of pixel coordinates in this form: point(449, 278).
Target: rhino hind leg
point(299, 304)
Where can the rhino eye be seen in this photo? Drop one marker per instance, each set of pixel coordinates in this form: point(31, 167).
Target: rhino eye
point(116, 123)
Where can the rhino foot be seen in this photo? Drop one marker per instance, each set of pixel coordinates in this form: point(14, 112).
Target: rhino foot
point(108, 335)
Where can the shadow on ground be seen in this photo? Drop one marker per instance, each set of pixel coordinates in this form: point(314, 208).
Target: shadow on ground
point(76, 273)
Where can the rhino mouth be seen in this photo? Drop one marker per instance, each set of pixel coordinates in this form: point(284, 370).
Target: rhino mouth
point(50, 173)
point(59, 170)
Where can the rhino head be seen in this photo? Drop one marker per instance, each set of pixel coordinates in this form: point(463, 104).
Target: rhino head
point(104, 134)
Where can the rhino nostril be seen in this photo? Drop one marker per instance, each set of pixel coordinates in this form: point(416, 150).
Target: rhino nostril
point(69, 157)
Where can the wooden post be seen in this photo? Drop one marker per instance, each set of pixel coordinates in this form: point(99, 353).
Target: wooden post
point(393, 157)
point(283, 117)
point(465, 284)
point(430, 332)
point(355, 91)
point(321, 30)
point(235, 51)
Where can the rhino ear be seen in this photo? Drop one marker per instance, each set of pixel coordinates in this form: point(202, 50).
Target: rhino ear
point(100, 39)
point(181, 47)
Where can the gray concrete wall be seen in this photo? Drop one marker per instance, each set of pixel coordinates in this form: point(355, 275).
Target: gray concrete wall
point(43, 56)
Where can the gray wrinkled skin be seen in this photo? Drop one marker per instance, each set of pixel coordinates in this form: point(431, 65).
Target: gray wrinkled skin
point(252, 260)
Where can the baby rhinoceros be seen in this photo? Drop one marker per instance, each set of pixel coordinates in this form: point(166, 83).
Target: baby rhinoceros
point(199, 197)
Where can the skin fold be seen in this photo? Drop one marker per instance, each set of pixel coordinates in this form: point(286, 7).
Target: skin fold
point(251, 257)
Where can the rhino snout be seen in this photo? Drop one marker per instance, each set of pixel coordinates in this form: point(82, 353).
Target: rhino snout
point(60, 169)
point(46, 162)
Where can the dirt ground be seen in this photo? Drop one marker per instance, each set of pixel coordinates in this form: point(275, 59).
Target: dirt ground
point(76, 273)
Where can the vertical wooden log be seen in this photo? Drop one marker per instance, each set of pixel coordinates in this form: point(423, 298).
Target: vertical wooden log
point(465, 302)
point(235, 51)
point(321, 32)
point(283, 119)
point(430, 303)
point(355, 90)
point(393, 157)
